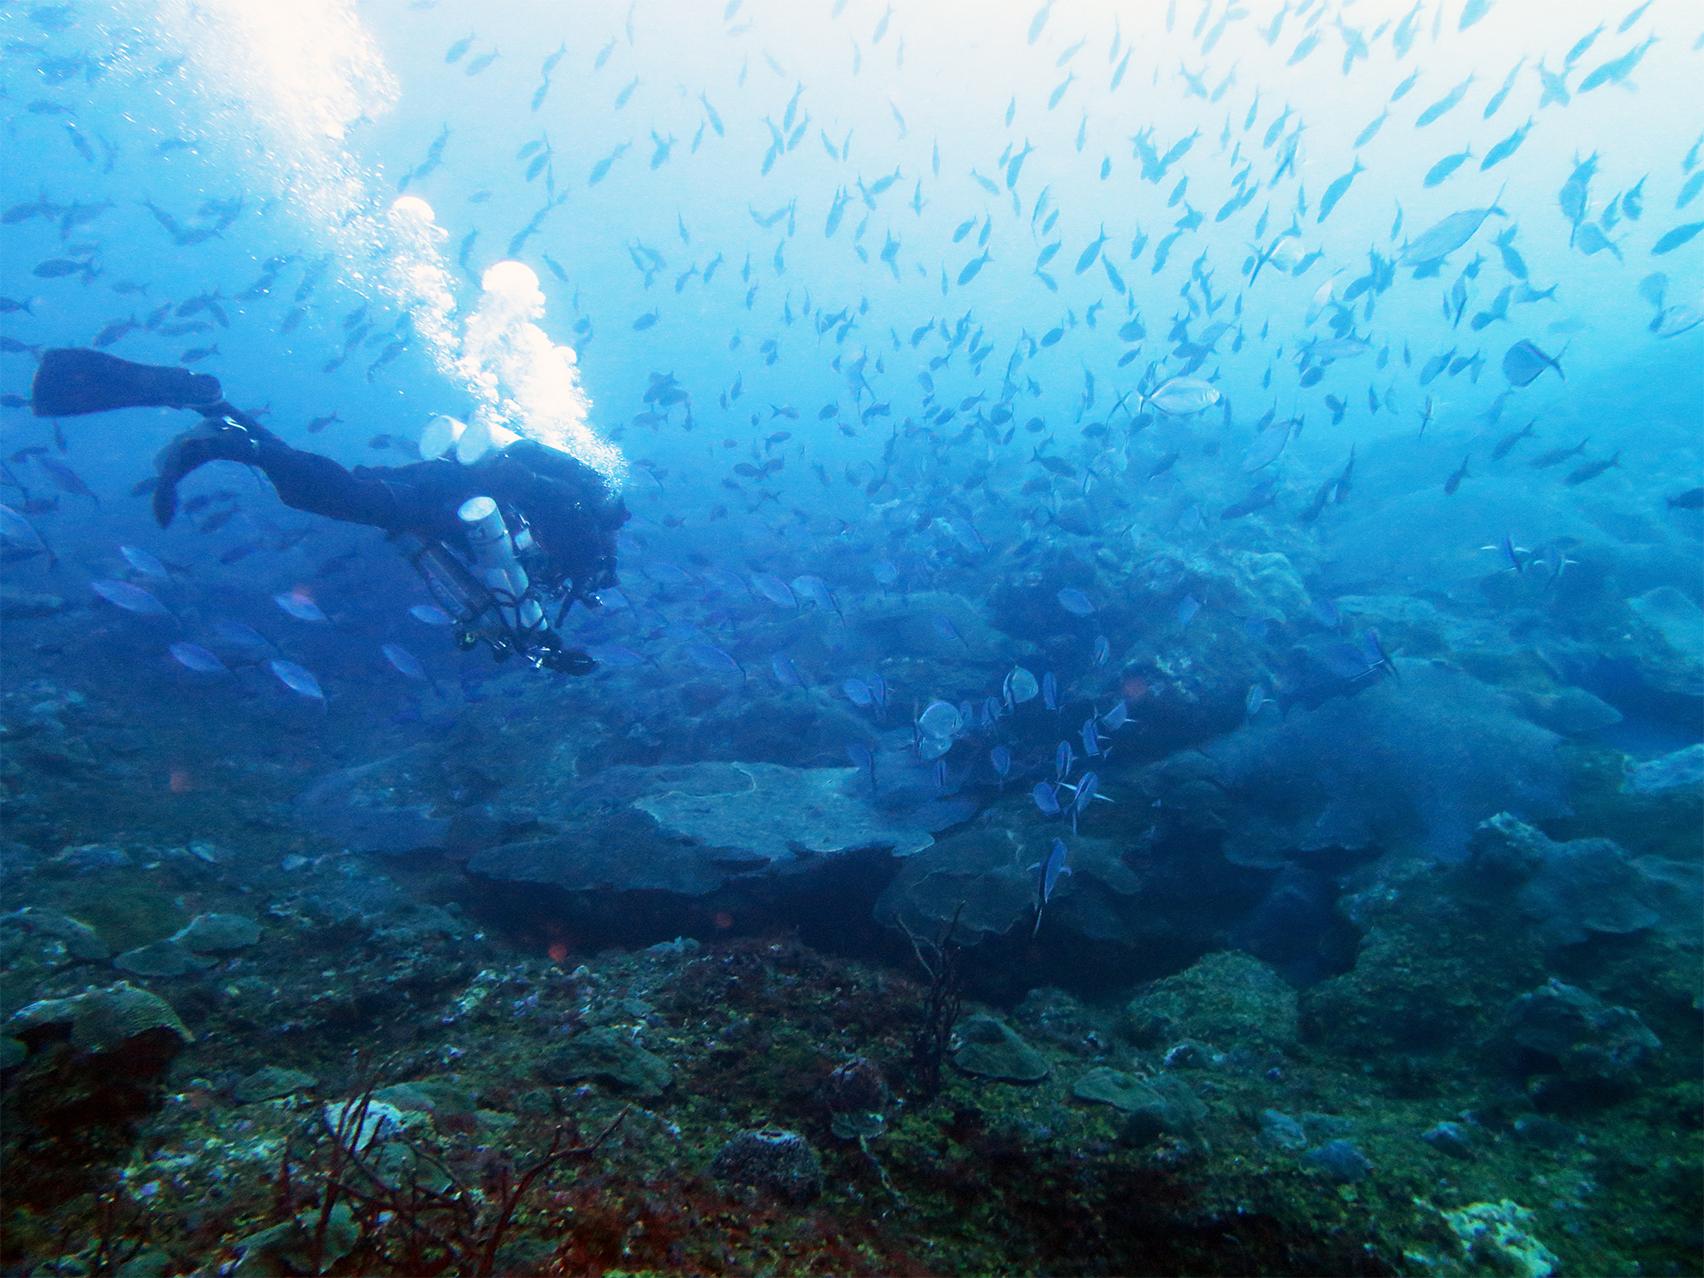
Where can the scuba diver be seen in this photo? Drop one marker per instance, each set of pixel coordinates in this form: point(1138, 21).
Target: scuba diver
point(501, 541)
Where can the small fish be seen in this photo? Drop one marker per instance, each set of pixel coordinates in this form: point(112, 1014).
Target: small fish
point(1075, 602)
point(1505, 148)
point(1456, 476)
point(431, 615)
point(297, 678)
point(1019, 686)
point(1046, 798)
point(1255, 702)
point(59, 267)
point(1616, 70)
point(1591, 470)
point(145, 563)
point(1338, 189)
point(786, 671)
point(405, 662)
point(192, 656)
point(1675, 238)
point(1558, 455)
point(1505, 444)
point(974, 267)
point(1092, 252)
point(300, 605)
point(115, 330)
point(707, 656)
point(1524, 363)
point(1446, 236)
point(1182, 396)
point(20, 536)
point(1443, 104)
point(1446, 166)
point(121, 594)
point(64, 478)
point(775, 590)
point(1050, 869)
point(1064, 759)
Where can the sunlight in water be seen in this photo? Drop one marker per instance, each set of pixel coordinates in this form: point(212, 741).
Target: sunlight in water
point(288, 84)
point(523, 380)
point(420, 281)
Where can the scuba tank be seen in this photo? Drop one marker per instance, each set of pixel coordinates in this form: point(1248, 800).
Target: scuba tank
point(488, 591)
point(494, 559)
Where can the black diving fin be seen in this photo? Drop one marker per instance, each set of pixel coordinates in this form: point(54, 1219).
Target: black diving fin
point(72, 381)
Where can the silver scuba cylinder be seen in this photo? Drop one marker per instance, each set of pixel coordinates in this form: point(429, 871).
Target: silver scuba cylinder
point(492, 551)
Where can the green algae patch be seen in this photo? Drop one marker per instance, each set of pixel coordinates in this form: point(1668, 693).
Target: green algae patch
point(1113, 1087)
point(611, 1057)
point(989, 1048)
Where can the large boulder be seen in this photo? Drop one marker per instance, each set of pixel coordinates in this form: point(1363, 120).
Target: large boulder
point(1667, 641)
point(1228, 1000)
point(1571, 891)
point(691, 829)
point(1413, 762)
point(116, 1021)
point(611, 1056)
point(987, 1047)
point(1572, 1048)
point(774, 1160)
point(1426, 987)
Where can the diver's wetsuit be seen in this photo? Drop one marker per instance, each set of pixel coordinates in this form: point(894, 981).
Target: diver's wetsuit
point(571, 512)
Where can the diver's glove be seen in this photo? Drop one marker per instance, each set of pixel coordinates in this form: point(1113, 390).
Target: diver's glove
point(73, 381)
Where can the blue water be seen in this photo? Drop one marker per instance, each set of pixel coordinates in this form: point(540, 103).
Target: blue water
point(1013, 405)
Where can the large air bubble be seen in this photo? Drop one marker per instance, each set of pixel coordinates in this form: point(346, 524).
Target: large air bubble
point(523, 380)
point(285, 86)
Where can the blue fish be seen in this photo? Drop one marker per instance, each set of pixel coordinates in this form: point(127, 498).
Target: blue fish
point(1075, 602)
point(1046, 798)
point(863, 760)
point(404, 662)
point(121, 594)
point(298, 679)
point(192, 656)
point(707, 656)
point(1049, 870)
